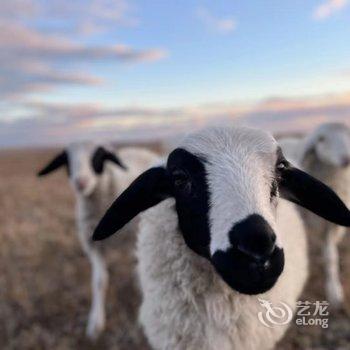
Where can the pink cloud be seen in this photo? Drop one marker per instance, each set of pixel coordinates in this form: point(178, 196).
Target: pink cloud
point(28, 58)
point(329, 8)
point(16, 38)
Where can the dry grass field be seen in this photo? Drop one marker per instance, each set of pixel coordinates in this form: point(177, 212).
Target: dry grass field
point(44, 276)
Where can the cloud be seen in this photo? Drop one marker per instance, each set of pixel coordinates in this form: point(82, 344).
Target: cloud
point(70, 122)
point(223, 25)
point(16, 39)
point(31, 76)
point(299, 114)
point(34, 59)
point(329, 8)
point(94, 16)
point(79, 15)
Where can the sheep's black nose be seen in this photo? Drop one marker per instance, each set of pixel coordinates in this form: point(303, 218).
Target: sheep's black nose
point(255, 238)
point(254, 262)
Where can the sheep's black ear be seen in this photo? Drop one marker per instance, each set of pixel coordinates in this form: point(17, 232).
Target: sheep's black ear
point(100, 156)
point(60, 160)
point(113, 158)
point(310, 193)
point(146, 191)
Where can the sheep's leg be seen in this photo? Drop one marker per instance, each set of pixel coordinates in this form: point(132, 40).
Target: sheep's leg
point(99, 276)
point(99, 284)
point(334, 289)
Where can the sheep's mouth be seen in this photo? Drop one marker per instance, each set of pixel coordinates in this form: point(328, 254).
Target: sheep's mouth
point(246, 276)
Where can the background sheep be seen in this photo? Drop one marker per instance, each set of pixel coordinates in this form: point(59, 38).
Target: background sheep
point(226, 209)
point(325, 154)
point(97, 174)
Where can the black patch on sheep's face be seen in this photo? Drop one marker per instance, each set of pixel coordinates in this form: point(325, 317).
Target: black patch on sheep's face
point(100, 156)
point(245, 275)
point(57, 162)
point(253, 262)
point(190, 189)
point(185, 180)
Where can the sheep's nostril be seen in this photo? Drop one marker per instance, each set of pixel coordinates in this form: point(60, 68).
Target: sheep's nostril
point(261, 257)
point(262, 251)
point(261, 265)
point(81, 183)
point(266, 265)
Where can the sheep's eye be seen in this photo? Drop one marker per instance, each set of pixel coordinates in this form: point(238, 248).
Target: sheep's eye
point(181, 180)
point(281, 165)
point(321, 139)
point(282, 162)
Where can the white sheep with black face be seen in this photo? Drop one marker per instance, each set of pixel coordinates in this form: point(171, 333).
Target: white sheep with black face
point(97, 174)
point(219, 238)
point(325, 154)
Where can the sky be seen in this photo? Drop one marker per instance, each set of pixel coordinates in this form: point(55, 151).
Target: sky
point(144, 69)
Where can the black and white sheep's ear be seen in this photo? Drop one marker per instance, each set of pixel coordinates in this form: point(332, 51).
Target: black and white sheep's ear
point(113, 158)
point(58, 161)
point(149, 189)
point(101, 155)
point(310, 193)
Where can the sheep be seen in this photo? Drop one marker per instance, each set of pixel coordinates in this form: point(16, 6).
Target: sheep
point(97, 174)
point(216, 238)
point(325, 154)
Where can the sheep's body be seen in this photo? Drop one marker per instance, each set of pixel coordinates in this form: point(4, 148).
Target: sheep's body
point(89, 210)
point(336, 178)
point(186, 305)
point(304, 153)
point(339, 180)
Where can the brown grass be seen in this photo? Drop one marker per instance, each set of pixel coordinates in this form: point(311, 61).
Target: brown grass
point(44, 276)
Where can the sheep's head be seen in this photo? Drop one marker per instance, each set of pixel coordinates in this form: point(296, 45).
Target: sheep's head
point(226, 184)
point(331, 143)
point(84, 162)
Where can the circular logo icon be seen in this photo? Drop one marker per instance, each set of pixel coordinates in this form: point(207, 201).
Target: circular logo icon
point(274, 315)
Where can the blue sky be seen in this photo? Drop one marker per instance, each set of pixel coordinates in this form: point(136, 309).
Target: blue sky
point(276, 48)
point(129, 69)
